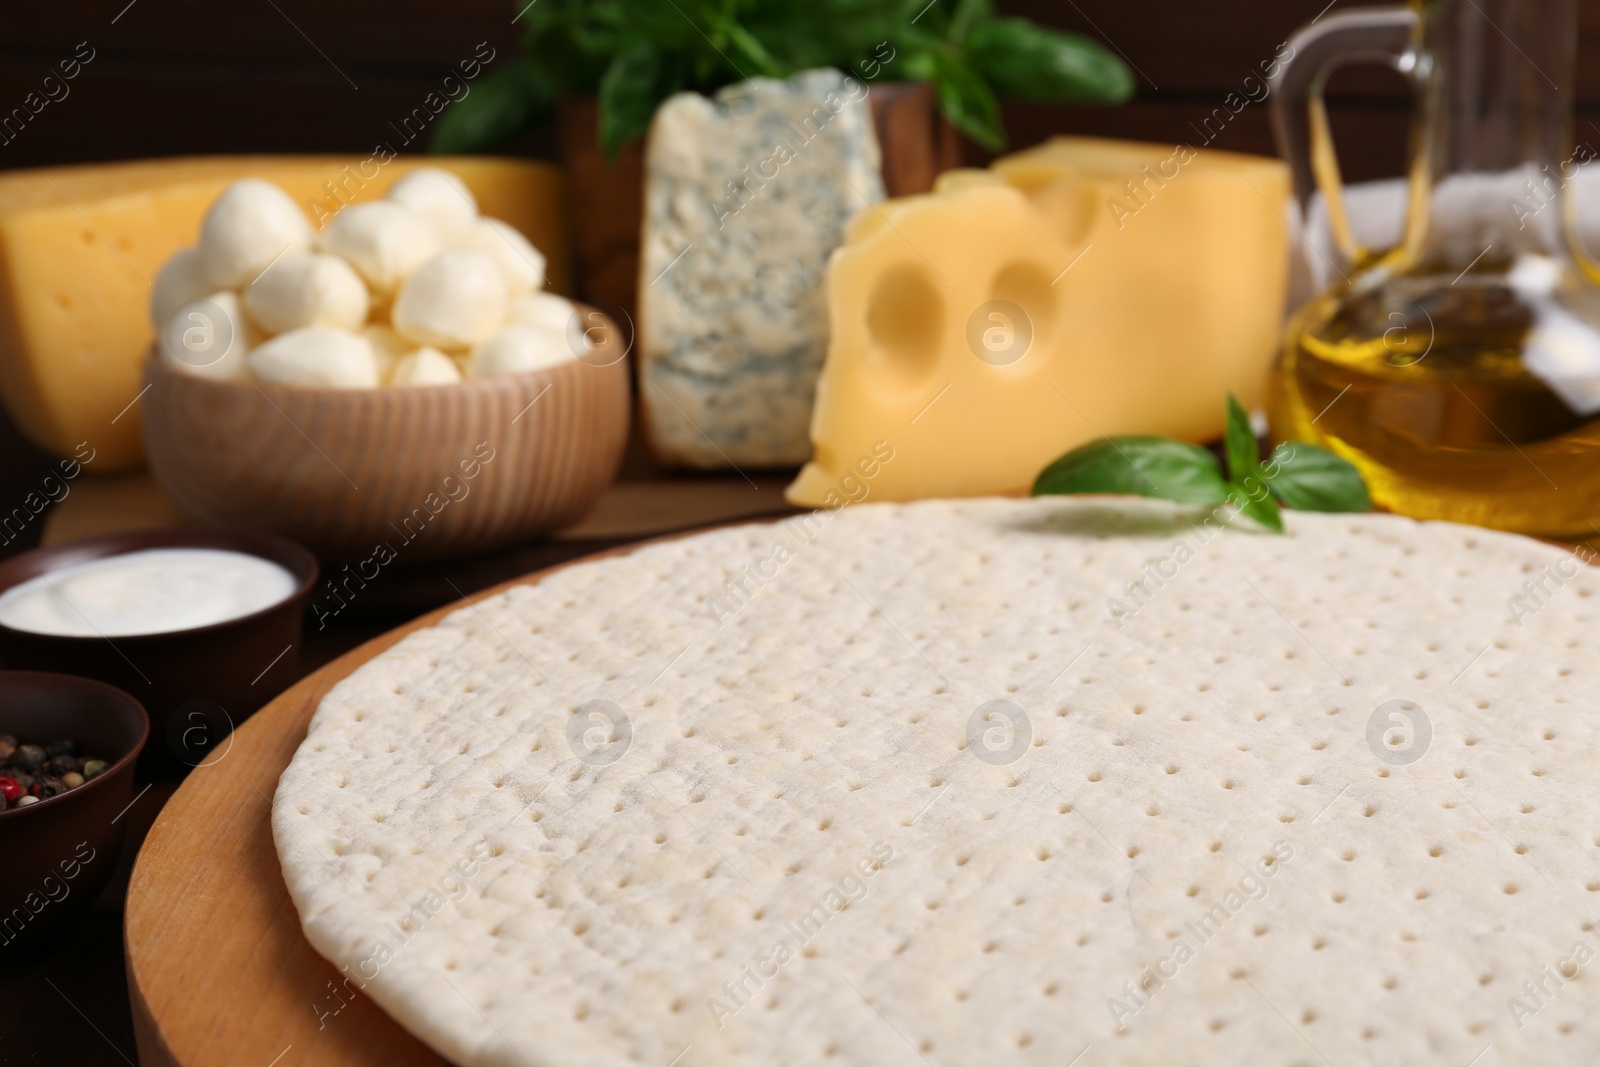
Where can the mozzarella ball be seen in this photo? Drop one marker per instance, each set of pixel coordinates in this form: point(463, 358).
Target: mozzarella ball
point(520, 262)
point(544, 309)
point(387, 347)
point(197, 330)
point(425, 366)
point(383, 240)
point(249, 226)
point(317, 356)
point(455, 299)
point(307, 289)
point(180, 281)
point(440, 198)
point(517, 350)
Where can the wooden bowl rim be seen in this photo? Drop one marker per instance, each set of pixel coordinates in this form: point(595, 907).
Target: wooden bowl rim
point(109, 696)
point(292, 556)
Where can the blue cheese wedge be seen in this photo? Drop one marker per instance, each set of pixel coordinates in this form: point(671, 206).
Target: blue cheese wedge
point(747, 194)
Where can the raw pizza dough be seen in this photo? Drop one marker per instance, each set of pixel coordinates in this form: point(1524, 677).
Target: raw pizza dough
point(807, 851)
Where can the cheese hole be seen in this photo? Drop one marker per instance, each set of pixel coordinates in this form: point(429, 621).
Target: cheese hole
point(905, 318)
point(1027, 285)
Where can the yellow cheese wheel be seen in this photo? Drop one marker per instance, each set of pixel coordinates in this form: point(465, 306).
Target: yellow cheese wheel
point(1083, 288)
point(80, 247)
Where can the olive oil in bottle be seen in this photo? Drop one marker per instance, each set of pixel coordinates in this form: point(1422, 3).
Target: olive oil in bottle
point(1460, 371)
point(1452, 399)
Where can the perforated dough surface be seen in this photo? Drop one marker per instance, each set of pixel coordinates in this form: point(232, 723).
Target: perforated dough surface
point(800, 773)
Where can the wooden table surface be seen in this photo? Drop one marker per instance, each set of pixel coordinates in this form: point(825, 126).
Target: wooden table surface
point(70, 998)
point(644, 503)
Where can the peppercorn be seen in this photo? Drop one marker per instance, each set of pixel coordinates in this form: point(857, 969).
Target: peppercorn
point(56, 766)
point(31, 773)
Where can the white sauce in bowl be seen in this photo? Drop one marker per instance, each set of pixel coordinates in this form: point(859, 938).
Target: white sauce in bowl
point(156, 591)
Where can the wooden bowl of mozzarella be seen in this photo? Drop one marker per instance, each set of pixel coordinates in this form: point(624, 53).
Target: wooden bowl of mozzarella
point(392, 473)
point(395, 387)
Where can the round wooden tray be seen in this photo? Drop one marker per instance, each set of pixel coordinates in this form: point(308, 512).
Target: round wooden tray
point(218, 970)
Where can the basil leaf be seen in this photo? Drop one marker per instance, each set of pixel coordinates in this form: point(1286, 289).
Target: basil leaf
point(916, 66)
point(968, 102)
point(1145, 466)
point(1260, 507)
point(502, 104)
point(571, 49)
point(802, 34)
point(753, 51)
point(1024, 61)
point(970, 13)
point(1313, 479)
point(671, 27)
point(628, 96)
point(1244, 452)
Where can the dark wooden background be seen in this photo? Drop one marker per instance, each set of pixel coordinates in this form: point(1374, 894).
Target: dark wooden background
point(183, 76)
point(172, 77)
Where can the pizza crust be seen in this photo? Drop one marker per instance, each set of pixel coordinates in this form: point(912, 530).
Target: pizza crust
point(806, 766)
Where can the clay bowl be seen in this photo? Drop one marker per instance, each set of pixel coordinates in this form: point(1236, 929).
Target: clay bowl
point(197, 683)
point(368, 476)
point(59, 853)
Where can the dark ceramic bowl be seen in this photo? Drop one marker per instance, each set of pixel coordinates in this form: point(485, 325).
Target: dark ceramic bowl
point(56, 855)
point(198, 683)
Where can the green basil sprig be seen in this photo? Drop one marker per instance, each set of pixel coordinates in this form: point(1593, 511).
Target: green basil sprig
point(633, 54)
point(1024, 61)
point(1297, 474)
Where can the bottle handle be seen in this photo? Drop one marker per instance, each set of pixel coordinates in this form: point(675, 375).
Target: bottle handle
point(1299, 117)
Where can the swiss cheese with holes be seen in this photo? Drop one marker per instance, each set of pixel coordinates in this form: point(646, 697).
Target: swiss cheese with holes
point(1081, 288)
point(978, 782)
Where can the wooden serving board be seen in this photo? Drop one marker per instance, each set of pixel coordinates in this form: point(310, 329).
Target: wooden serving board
point(219, 973)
